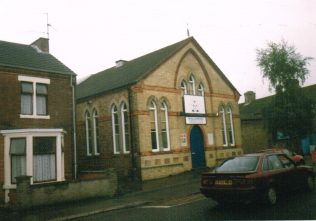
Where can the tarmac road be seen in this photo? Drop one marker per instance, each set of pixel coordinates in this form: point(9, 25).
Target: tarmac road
point(301, 205)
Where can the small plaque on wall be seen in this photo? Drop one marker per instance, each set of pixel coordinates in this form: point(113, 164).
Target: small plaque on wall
point(183, 140)
point(210, 138)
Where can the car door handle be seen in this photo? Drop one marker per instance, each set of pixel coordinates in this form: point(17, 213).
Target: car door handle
point(193, 152)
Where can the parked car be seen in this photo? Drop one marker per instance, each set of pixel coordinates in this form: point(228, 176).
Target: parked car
point(298, 159)
point(256, 177)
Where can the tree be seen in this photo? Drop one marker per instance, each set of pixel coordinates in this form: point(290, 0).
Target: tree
point(290, 111)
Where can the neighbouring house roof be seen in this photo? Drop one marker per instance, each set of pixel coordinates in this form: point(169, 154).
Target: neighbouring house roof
point(21, 56)
point(253, 110)
point(135, 70)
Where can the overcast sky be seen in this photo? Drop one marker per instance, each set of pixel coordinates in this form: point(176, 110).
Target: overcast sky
point(89, 36)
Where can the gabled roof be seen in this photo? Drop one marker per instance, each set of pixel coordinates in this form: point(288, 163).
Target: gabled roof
point(13, 55)
point(253, 110)
point(133, 71)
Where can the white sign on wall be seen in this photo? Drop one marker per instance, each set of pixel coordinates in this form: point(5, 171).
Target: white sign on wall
point(194, 104)
point(195, 120)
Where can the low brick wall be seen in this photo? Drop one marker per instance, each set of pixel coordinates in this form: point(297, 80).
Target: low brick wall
point(27, 195)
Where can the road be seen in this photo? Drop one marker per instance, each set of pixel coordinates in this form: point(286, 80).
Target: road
point(300, 205)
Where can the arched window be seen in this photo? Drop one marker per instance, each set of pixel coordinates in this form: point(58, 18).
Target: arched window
point(95, 124)
point(125, 128)
point(154, 126)
point(227, 126)
point(223, 125)
point(165, 127)
point(230, 126)
point(115, 130)
point(88, 133)
point(200, 90)
point(183, 86)
point(192, 83)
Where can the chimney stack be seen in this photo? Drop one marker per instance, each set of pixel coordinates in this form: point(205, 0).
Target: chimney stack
point(42, 44)
point(250, 96)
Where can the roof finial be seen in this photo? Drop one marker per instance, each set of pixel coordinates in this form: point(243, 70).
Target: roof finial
point(188, 32)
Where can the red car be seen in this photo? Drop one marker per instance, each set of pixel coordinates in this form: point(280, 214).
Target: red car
point(298, 159)
point(252, 177)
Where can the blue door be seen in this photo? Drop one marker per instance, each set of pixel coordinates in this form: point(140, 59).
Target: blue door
point(197, 148)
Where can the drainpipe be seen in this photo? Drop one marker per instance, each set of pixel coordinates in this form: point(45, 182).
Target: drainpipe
point(133, 152)
point(73, 84)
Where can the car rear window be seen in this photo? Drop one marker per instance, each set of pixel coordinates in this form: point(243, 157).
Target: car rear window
point(239, 164)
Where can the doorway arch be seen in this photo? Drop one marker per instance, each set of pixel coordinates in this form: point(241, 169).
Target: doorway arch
point(197, 148)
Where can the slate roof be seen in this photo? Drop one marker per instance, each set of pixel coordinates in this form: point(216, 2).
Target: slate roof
point(253, 110)
point(28, 57)
point(133, 71)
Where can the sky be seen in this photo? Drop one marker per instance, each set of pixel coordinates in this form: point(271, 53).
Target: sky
point(89, 36)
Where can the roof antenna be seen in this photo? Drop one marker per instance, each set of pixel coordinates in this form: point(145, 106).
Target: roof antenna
point(47, 26)
point(188, 32)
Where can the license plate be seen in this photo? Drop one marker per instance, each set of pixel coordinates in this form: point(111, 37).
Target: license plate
point(224, 182)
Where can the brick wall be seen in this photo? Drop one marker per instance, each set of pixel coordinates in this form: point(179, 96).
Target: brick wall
point(164, 83)
point(107, 159)
point(59, 109)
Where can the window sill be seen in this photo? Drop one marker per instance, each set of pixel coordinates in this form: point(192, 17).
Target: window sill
point(34, 116)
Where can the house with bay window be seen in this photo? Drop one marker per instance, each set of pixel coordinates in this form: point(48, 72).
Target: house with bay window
point(164, 113)
point(36, 116)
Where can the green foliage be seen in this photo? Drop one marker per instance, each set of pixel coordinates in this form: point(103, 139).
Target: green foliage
point(280, 63)
point(291, 111)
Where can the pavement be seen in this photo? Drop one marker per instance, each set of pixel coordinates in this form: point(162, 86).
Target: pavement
point(164, 189)
point(172, 187)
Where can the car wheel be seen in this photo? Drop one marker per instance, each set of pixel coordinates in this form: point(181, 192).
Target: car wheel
point(270, 196)
point(310, 183)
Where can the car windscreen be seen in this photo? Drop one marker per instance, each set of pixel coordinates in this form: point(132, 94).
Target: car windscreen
point(239, 164)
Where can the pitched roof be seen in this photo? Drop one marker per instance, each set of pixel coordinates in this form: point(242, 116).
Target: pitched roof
point(133, 71)
point(28, 57)
point(253, 110)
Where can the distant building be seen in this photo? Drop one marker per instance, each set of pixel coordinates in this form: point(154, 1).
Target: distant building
point(255, 135)
point(36, 116)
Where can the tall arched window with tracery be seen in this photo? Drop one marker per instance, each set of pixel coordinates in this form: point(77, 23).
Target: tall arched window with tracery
point(88, 133)
point(125, 128)
point(223, 125)
point(154, 126)
point(230, 126)
point(95, 133)
point(184, 87)
point(192, 84)
point(227, 126)
point(115, 130)
point(165, 126)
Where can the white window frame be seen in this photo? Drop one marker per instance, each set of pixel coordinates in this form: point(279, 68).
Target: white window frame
point(153, 107)
point(125, 130)
point(115, 145)
point(87, 117)
point(164, 109)
point(95, 132)
point(222, 113)
point(184, 87)
point(230, 114)
point(192, 82)
point(201, 89)
point(29, 134)
point(34, 81)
